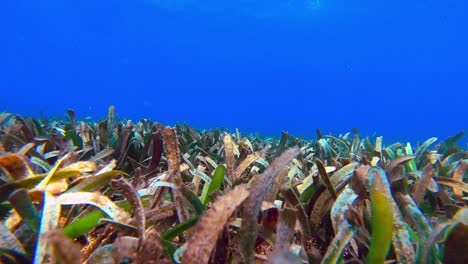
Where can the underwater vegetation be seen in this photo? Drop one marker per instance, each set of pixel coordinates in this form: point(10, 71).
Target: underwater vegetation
point(117, 191)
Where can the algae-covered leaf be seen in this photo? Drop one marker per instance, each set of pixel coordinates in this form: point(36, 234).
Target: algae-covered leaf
point(378, 146)
point(450, 143)
point(337, 246)
point(342, 204)
point(382, 215)
point(102, 154)
point(440, 231)
point(423, 183)
point(110, 124)
point(132, 197)
point(403, 241)
point(458, 174)
point(23, 205)
point(152, 248)
point(343, 174)
point(249, 228)
point(284, 236)
point(230, 159)
point(14, 166)
point(173, 154)
point(342, 227)
point(417, 218)
point(245, 164)
point(211, 224)
point(421, 150)
point(157, 138)
point(9, 241)
point(292, 197)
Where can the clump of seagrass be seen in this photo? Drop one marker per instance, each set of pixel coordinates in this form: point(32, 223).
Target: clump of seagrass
point(118, 191)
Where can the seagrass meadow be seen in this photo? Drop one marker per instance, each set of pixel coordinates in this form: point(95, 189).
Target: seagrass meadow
point(117, 191)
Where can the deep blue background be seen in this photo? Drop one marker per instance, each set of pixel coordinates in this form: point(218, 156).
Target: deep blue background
point(397, 68)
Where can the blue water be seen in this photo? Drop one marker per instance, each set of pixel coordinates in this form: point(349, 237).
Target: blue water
point(394, 68)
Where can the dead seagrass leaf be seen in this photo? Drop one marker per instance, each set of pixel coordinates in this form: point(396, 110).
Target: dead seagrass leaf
point(25, 149)
point(14, 166)
point(456, 245)
point(8, 240)
point(325, 178)
point(98, 200)
point(43, 184)
point(64, 249)
point(453, 183)
point(378, 147)
point(291, 196)
point(157, 138)
point(211, 224)
point(109, 167)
